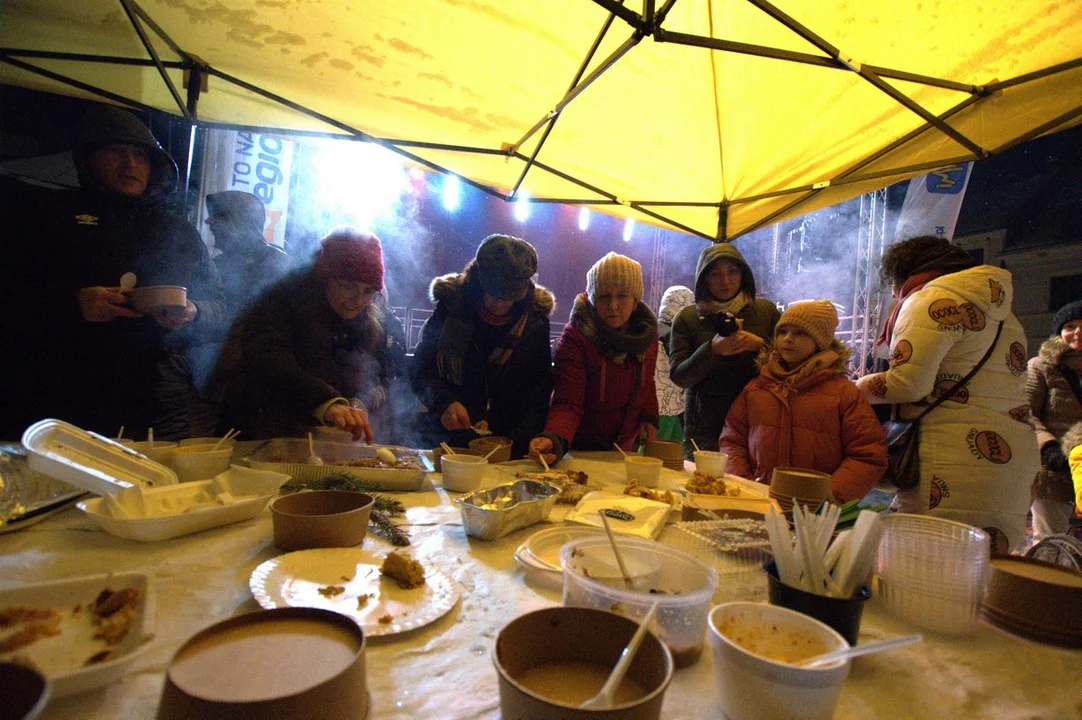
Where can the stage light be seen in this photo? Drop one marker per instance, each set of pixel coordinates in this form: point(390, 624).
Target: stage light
point(358, 183)
point(629, 229)
point(522, 206)
point(451, 188)
point(584, 219)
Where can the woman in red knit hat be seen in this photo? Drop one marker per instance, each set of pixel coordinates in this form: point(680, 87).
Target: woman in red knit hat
point(309, 345)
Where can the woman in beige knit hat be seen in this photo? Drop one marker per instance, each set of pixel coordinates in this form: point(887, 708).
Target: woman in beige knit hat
point(604, 387)
point(803, 411)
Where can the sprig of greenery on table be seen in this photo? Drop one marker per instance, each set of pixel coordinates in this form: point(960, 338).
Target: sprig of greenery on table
point(342, 481)
point(383, 507)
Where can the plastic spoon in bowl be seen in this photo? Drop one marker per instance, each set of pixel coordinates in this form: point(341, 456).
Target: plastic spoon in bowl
point(695, 445)
point(490, 452)
point(620, 449)
point(615, 549)
point(447, 448)
point(604, 697)
point(541, 459)
point(312, 458)
point(858, 650)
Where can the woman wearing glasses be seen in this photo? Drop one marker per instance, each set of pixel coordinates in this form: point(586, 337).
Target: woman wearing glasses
point(308, 344)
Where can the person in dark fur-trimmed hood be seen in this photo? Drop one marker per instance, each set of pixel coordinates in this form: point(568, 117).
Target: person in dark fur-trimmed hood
point(484, 356)
point(1055, 405)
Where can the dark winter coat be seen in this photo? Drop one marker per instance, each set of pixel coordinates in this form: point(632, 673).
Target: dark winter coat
point(815, 419)
point(516, 401)
point(1054, 409)
point(298, 353)
point(711, 381)
point(96, 375)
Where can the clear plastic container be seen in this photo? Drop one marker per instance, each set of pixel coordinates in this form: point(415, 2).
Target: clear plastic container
point(680, 584)
point(932, 572)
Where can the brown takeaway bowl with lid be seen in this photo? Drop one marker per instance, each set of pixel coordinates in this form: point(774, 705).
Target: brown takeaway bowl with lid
point(793, 482)
point(282, 664)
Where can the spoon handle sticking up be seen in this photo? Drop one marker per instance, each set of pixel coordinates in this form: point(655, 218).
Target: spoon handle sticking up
point(620, 449)
point(604, 697)
point(615, 549)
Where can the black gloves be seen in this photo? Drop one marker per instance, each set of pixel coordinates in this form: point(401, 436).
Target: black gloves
point(1052, 457)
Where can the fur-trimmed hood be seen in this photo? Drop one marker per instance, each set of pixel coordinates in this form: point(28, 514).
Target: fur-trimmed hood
point(1072, 438)
point(841, 365)
point(445, 287)
point(1052, 351)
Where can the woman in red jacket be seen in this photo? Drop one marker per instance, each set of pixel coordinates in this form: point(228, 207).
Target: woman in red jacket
point(803, 411)
point(604, 387)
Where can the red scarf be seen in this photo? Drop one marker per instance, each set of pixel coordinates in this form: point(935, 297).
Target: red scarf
point(912, 284)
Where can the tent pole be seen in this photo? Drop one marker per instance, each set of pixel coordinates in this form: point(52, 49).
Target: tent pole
point(578, 76)
point(127, 5)
point(63, 79)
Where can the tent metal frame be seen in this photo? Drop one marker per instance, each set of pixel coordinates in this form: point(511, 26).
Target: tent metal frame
point(647, 23)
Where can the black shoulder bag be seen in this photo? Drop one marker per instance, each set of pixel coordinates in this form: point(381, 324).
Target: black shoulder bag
point(903, 456)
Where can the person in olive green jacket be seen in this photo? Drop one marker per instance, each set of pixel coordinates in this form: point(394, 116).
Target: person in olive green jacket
point(714, 343)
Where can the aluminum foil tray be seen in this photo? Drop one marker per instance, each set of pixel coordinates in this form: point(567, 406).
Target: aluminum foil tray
point(288, 455)
point(494, 512)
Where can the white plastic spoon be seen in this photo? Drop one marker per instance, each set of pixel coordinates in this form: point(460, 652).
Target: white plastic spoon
point(604, 697)
point(858, 650)
point(620, 449)
point(615, 549)
point(128, 280)
point(312, 458)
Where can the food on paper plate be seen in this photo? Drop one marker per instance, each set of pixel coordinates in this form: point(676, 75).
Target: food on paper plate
point(703, 484)
point(111, 613)
point(573, 484)
point(636, 490)
point(404, 570)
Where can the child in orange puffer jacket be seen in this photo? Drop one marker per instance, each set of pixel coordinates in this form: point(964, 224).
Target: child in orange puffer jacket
point(803, 411)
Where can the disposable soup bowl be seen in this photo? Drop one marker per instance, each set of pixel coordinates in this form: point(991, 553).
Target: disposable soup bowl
point(499, 446)
point(160, 451)
point(549, 661)
point(680, 584)
point(149, 297)
point(756, 648)
point(200, 462)
point(644, 470)
point(462, 473)
point(711, 463)
point(320, 519)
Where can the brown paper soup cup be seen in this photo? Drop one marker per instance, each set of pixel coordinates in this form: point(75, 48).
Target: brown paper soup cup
point(283, 664)
point(320, 519)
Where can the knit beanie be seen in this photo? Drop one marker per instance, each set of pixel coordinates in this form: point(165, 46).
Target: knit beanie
point(505, 266)
point(614, 273)
point(818, 318)
point(349, 254)
point(1067, 313)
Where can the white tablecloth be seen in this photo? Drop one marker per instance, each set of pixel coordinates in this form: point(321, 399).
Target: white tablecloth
point(444, 670)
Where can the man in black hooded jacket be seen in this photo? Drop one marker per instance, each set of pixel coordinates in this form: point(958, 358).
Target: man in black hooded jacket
point(77, 349)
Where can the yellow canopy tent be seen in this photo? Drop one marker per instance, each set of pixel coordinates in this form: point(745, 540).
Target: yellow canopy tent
point(715, 117)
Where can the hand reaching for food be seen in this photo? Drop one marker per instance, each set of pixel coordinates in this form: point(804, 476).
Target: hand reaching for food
point(542, 447)
point(456, 417)
point(354, 420)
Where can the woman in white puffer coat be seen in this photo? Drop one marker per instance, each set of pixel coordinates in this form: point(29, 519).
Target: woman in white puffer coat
point(978, 454)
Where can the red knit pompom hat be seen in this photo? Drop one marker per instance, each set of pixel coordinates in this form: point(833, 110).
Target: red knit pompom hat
point(349, 254)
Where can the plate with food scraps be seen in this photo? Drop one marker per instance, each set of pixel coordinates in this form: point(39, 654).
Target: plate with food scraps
point(349, 581)
point(82, 633)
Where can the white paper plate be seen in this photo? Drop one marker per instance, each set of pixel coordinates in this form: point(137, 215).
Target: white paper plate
point(544, 546)
point(295, 580)
point(61, 657)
